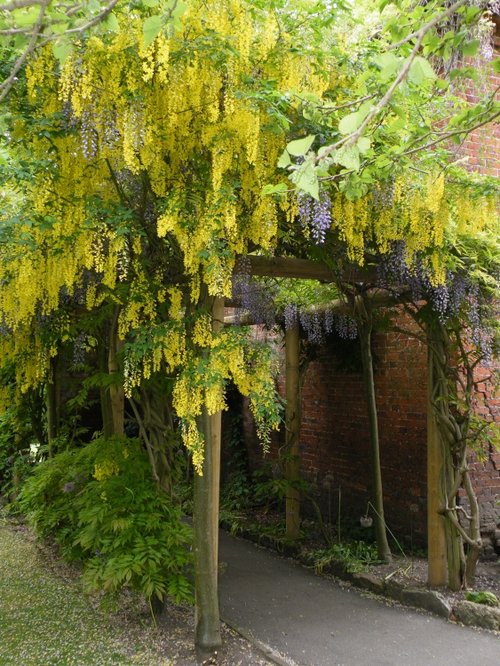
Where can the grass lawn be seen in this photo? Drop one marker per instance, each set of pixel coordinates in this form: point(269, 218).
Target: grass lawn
point(46, 620)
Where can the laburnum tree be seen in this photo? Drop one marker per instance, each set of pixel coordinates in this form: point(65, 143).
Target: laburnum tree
point(149, 150)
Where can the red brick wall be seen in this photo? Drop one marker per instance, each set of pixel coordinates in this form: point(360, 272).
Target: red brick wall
point(335, 440)
point(482, 146)
point(335, 447)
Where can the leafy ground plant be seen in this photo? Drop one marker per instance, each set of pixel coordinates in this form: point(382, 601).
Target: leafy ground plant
point(354, 556)
point(482, 597)
point(100, 505)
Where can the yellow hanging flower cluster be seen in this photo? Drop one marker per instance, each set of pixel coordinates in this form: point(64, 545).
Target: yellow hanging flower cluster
point(419, 210)
point(105, 470)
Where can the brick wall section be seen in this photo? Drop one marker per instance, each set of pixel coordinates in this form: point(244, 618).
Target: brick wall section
point(335, 446)
point(482, 146)
point(335, 434)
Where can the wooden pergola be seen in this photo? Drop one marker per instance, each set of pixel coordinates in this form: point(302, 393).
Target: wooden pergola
point(206, 510)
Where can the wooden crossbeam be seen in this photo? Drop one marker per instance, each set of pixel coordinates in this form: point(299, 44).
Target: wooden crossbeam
point(379, 298)
point(305, 269)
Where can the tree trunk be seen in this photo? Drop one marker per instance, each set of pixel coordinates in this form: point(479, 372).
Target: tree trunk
point(292, 434)
point(475, 541)
point(365, 332)
point(116, 392)
point(53, 404)
point(206, 523)
point(105, 400)
point(436, 527)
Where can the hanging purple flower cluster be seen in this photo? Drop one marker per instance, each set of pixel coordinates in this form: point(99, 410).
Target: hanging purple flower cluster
point(319, 324)
point(290, 315)
point(252, 296)
point(88, 135)
point(5, 330)
point(383, 195)
point(457, 296)
point(316, 216)
point(79, 349)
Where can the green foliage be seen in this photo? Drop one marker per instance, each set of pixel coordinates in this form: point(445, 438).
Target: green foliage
point(354, 556)
point(101, 506)
point(483, 597)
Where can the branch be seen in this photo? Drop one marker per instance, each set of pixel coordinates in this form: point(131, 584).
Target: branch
point(18, 4)
point(15, 31)
point(352, 138)
point(431, 24)
point(347, 105)
point(6, 85)
point(419, 34)
point(90, 24)
point(449, 512)
point(146, 440)
point(448, 135)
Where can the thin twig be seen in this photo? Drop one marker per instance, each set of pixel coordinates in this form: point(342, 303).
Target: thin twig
point(431, 24)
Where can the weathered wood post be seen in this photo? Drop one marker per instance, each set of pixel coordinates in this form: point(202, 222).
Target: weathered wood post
point(292, 435)
point(206, 523)
point(436, 528)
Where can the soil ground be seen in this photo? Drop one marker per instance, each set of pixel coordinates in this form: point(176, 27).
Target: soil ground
point(412, 572)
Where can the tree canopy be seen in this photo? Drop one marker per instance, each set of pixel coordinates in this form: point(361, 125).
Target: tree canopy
point(150, 147)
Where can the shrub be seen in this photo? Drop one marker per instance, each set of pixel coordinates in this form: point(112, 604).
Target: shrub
point(101, 506)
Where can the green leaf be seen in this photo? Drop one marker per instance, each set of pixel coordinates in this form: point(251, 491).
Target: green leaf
point(350, 123)
point(62, 48)
point(24, 18)
point(496, 65)
point(389, 64)
point(151, 28)
point(281, 188)
point(306, 179)
point(284, 160)
point(421, 71)
point(59, 28)
point(470, 13)
point(347, 156)
point(364, 144)
point(112, 23)
point(299, 147)
point(471, 48)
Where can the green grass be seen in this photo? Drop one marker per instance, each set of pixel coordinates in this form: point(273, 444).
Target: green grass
point(47, 621)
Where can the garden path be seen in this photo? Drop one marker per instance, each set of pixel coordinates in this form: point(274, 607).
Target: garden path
point(313, 621)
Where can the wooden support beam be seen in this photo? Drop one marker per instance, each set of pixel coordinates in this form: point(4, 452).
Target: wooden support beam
point(378, 298)
point(292, 435)
point(290, 267)
point(206, 524)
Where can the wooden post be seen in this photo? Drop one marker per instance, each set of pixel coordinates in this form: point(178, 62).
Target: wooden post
point(436, 528)
point(206, 524)
point(292, 436)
